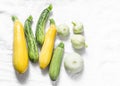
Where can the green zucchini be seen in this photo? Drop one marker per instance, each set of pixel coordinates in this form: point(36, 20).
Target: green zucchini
point(31, 42)
point(40, 35)
point(55, 64)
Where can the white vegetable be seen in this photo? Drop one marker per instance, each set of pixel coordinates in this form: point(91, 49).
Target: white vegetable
point(78, 41)
point(77, 27)
point(73, 63)
point(63, 30)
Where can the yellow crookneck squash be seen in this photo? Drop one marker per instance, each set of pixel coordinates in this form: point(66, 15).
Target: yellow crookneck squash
point(47, 48)
point(20, 53)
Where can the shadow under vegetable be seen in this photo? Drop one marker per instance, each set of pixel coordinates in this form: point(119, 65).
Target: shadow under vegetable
point(22, 78)
point(75, 76)
point(44, 71)
point(55, 83)
point(80, 51)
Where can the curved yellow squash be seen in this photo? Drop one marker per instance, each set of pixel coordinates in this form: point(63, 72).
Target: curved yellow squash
point(20, 53)
point(47, 48)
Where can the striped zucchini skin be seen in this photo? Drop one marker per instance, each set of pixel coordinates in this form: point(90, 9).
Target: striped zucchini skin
point(31, 42)
point(40, 35)
point(55, 64)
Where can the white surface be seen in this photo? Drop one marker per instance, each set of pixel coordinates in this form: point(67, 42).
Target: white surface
point(101, 20)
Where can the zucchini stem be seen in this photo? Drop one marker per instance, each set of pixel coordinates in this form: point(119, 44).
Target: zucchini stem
point(61, 45)
point(50, 7)
point(30, 18)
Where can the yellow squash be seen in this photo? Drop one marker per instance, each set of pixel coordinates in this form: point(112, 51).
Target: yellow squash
point(20, 53)
point(47, 48)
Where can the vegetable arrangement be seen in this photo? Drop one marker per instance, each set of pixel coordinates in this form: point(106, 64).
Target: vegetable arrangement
point(47, 56)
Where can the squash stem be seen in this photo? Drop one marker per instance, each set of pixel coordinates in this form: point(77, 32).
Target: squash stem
point(14, 18)
point(74, 24)
point(52, 21)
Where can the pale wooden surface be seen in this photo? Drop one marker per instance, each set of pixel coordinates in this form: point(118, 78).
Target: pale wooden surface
point(101, 19)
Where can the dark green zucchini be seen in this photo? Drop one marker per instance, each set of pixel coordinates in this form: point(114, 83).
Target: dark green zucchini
point(55, 64)
point(40, 35)
point(31, 42)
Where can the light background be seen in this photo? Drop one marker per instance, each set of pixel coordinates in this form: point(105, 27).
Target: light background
point(101, 19)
